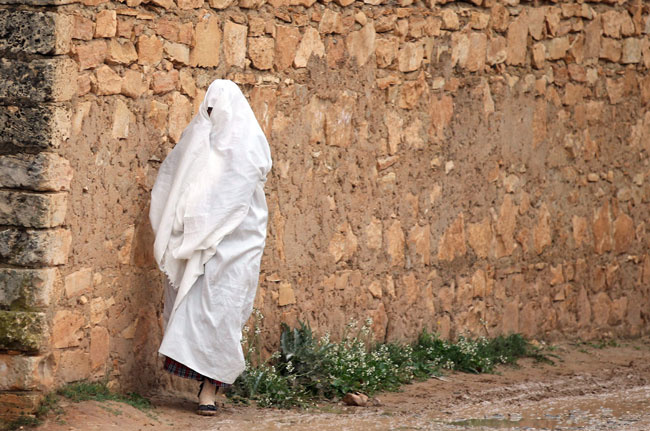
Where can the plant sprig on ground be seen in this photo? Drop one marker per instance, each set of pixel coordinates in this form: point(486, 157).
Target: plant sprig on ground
point(307, 368)
point(98, 391)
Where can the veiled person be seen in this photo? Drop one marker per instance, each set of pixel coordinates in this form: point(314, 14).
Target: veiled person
point(209, 215)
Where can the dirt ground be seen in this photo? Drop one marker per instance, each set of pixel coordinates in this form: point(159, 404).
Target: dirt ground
point(589, 388)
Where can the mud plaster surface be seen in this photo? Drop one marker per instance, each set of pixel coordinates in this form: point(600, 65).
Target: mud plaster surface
point(588, 389)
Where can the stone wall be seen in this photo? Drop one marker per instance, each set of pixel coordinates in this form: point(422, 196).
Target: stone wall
point(466, 167)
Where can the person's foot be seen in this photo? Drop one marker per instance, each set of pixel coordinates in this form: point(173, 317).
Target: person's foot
point(207, 399)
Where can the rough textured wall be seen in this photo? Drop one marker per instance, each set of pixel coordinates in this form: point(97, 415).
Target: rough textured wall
point(472, 167)
point(34, 185)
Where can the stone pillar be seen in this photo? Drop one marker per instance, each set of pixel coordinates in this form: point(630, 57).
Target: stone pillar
point(37, 81)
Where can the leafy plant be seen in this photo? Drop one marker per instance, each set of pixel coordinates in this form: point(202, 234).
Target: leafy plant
point(307, 368)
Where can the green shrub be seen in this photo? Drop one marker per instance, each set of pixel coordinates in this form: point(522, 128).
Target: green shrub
point(307, 369)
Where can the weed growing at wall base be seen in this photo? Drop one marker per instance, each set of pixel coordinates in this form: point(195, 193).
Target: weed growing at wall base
point(77, 392)
point(307, 368)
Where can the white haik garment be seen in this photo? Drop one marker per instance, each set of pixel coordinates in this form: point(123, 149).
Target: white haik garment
point(209, 215)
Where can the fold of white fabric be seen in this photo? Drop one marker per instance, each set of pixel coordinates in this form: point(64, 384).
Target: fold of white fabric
point(205, 185)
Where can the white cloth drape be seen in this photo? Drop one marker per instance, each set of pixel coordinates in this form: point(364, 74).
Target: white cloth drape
point(209, 215)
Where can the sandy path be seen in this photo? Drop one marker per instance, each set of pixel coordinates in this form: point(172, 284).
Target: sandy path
point(587, 389)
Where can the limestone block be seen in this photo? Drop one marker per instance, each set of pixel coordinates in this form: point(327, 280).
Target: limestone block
point(106, 23)
point(338, 122)
point(26, 288)
point(18, 208)
point(395, 242)
point(99, 347)
point(261, 51)
point(82, 28)
point(557, 48)
point(177, 52)
point(121, 53)
point(361, 44)
point(542, 236)
point(34, 247)
point(453, 241)
point(385, 23)
point(310, 43)
point(107, 81)
point(419, 242)
point(611, 49)
point(601, 306)
point(263, 100)
point(66, 329)
point(593, 33)
point(14, 404)
point(450, 20)
point(122, 117)
point(78, 282)
point(286, 295)
point(517, 40)
point(410, 56)
point(40, 172)
point(615, 23)
point(331, 22)
point(645, 90)
point(165, 4)
point(92, 54)
point(167, 29)
point(497, 50)
point(510, 322)
point(386, 51)
point(615, 90)
point(189, 4)
point(180, 114)
point(38, 2)
point(35, 32)
point(150, 50)
point(157, 115)
point(394, 125)
point(188, 84)
point(164, 82)
point(220, 4)
point(72, 365)
point(479, 236)
point(631, 51)
point(505, 227)
point(343, 244)
point(441, 111)
point(410, 95)
point(24, 373)
point(22, 331)
point(256, 4)
point(286, 43)
point(43, 80)
point(477, 52)
point(580, 231)
point(537, 22)
point(539, 55)
point(602, 229)
point(234, 44)
point(34, 128)
point(373, 234)
point(133, 84)
point(459, 49)
point(624, 233)
point(499, 18)
point(206, 42)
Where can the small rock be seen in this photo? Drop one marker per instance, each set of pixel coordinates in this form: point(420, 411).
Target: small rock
point(449, 166)
point(356, 399)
